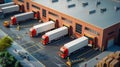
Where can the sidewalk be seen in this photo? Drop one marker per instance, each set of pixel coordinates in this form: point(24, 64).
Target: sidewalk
point(33, 62)
point(93, 62)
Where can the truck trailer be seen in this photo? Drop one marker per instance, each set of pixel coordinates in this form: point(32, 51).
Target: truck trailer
point(35, 30)
point(54, 34)
point(7, 4)
point(21, 17)
point(72, 46)
point(10, 9)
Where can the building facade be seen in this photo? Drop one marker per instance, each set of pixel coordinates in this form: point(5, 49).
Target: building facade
point(98, 36)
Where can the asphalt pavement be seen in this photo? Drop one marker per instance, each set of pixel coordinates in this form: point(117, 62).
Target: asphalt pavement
point(32, 62)
point(43, 55)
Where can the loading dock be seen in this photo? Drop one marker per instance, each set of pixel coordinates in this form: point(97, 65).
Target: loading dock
point(56, 22)
point(36, 14)
point(22, 9)
point(92, 39)
point(69, 28)
point(110, 42)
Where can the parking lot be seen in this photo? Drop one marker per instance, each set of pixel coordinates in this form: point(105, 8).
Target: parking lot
point(48, 54)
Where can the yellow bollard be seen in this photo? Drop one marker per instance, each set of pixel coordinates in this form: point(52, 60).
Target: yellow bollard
point(69, 62)
point(18, 28)
point(6, 24)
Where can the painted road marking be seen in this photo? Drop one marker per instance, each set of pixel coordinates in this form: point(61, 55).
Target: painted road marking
point(41, 46)
point(30, 47)
point(35, 51)
point(59, 60)
point(26, 42)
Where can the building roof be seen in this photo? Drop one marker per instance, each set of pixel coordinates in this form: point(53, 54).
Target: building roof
point(102, 15)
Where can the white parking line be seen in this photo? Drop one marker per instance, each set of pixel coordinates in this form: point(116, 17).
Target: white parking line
point(41, 47)
point(27, 42)
point(60, 60)
point(35, 51)
point(30, 47)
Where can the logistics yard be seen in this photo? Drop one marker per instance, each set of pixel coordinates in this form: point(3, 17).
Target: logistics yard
point(44, 54)
point(51, 38)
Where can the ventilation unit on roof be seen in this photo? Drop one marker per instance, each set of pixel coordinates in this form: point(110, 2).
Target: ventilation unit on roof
point(54, 1)
point(72, 5)
point(116, 8)
point(84, 4)
point(102, 10)
point(69, 0)
point(92, 11)
point(98, 3)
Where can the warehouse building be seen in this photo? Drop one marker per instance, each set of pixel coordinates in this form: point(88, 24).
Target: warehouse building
point(99, 20)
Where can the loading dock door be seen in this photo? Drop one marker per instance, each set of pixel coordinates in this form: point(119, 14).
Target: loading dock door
point(110, 42)
point(91, 38)
point(56, 22)
point(21, 8)
point(37, 15)
point(70, 28)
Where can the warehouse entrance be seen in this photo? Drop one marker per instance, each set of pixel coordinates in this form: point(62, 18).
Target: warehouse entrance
point(56, 22)
point(37, 15)
point(91, 40)
point(110, 42)
point(70, 29)
point(22, 8)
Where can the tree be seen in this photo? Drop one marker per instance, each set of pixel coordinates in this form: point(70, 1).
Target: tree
point(5, 42)
point(7, 54)
point(17, 64)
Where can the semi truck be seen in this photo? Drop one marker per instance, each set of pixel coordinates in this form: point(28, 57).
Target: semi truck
point(21, 17)
point(54, 34)
point(10, 9)
point(72, 46)
point(35, 30)
point(7, 4)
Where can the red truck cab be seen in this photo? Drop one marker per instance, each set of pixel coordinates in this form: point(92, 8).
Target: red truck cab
point(13, 20)
point(63, 52)
point(32, 32)
point(45, 39)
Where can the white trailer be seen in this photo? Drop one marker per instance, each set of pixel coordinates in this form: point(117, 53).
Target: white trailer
point(54, 34)
point(35, 30)
point(21, 17)
point(10, 9)
point(72, 46)
point(7, 4)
